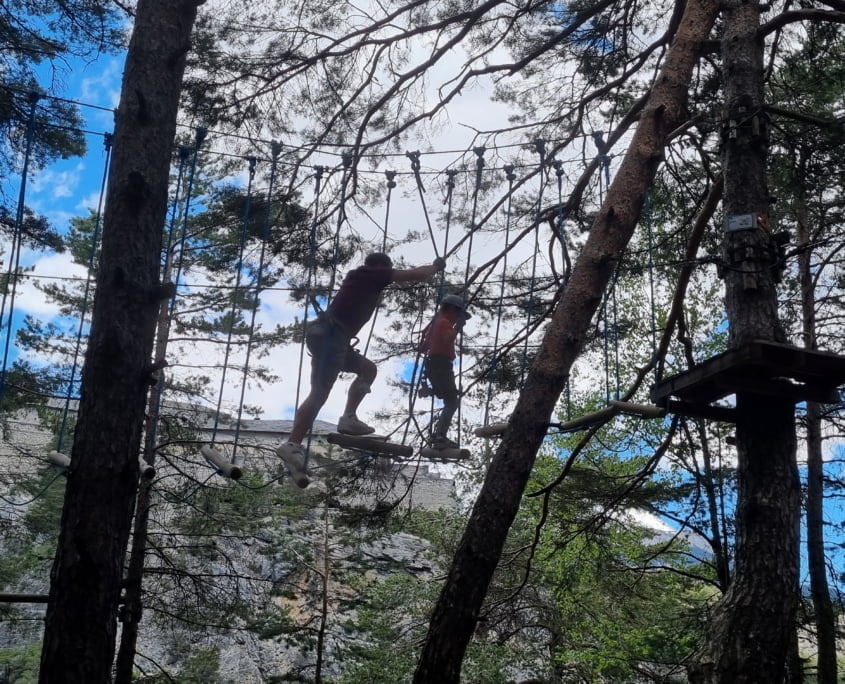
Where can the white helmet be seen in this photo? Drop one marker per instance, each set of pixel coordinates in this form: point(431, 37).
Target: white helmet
point(456, 301)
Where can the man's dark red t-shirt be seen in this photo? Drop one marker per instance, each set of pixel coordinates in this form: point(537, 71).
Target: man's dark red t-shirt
point(358, 296)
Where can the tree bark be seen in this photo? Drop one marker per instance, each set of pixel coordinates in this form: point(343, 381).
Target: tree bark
point(825, 617)
point(457, 610)
point(748, 637)
point(80, 625)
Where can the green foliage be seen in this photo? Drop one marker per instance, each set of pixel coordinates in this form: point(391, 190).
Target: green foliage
point(32, 548)
point(390, 621)
point(20, 665)
point(235, 506)
point(202, 667)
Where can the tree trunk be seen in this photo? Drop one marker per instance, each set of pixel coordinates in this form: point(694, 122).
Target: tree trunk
point(80, 625)
point(456, 612)
point(721, 561)
point(825, 617)
point(748, 638)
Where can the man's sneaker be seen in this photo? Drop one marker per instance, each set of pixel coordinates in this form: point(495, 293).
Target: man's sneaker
point(440, 442)
point(293, 456)
point(350, 425)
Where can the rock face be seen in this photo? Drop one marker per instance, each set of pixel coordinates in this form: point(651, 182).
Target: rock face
point(246, 581)
point(281, 598)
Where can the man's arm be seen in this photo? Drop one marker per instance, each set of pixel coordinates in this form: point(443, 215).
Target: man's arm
point(420, 272)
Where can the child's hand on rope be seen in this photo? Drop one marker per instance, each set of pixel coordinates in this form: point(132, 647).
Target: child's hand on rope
point(439, 263)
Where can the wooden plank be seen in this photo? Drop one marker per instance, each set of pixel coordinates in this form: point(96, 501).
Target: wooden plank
point(445, 454)
point(370, 444)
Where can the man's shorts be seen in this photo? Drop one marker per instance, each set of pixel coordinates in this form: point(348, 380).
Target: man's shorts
point(331, 353)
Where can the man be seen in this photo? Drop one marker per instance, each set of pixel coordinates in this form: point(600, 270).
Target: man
point(329, 340)
point(438, 345)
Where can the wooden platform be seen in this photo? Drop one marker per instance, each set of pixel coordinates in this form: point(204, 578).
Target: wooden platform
point(372, 444)
point(763, 368)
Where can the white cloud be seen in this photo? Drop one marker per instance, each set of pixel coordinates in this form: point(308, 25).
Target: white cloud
point(53, 266)
point(53, 185)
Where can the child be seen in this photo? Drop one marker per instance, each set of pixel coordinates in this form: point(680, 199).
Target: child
point(438, 345)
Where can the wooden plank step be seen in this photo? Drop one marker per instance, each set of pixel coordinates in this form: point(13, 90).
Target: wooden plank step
point(372, 444)
point(445, 454)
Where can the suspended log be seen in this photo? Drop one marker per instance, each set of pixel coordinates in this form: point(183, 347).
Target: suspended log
point(491, 430)
point(430, 454)
point(369, 443)
point(615, 406)
point(644, 410)
point(219, 461)
point(23, 598)
point(587, 419)
point(147, 471)
point(59, 459)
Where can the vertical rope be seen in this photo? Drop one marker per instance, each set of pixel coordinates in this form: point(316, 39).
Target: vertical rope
point(491, 373)
point(418, 373)
point(199, 137)
point(611, 329)
point(415, 167)
point(276, 149)
point(479, 169)
point(95, 238)
point(390, 177)
point(312, 270)
point(235, 293)
point(604, 161)
point(346, 158)
point(391, 183)
point(540, 148)
point(163, 331)
point(567, 264)
point(450, 189)
point(650, 235)
point(17, 240)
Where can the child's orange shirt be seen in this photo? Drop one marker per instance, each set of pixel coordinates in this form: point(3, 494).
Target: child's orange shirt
point(442, 339)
